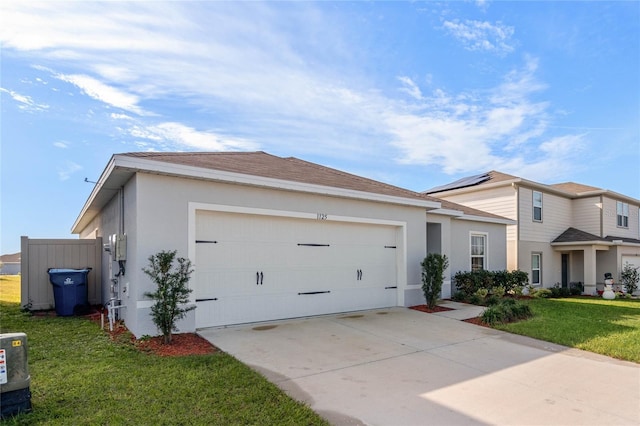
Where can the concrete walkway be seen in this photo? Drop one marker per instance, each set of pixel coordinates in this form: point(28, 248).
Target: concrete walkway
point(403, 367)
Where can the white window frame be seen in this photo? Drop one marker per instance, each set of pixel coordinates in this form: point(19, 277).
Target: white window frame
point(484, 256)
point(622, 214)
point(534, 206)
point(539, 268)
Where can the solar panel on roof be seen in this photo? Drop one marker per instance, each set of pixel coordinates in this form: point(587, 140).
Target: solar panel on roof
point(460, 183)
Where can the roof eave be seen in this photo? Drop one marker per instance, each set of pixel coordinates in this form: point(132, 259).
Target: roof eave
point(495, 220)
point(127, 166)
point(582, 243)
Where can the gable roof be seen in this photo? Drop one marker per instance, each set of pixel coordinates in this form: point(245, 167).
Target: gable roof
point(578, 237)
point(274, 167)
point(244, 168)
point(574, 235)
point(575, 187)
point(494, 178)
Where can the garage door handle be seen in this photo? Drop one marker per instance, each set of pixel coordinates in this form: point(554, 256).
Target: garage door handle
point(259, 278)
point(359, 274)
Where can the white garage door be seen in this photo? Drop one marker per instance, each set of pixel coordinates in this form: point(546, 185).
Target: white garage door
point(251, 268)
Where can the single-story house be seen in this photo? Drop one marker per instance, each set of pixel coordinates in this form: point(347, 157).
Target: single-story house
point(272, 237)
point(10, 264)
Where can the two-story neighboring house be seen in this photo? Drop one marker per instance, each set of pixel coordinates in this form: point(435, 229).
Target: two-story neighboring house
point(564, 233)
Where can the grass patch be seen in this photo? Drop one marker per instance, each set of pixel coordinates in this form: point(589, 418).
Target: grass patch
point(607, 327)
point(80, 377)
point(10, 288)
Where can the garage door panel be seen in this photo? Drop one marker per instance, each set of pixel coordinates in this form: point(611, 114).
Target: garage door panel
point(308, 267)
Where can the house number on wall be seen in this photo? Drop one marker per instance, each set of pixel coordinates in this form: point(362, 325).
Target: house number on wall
point(322, 216)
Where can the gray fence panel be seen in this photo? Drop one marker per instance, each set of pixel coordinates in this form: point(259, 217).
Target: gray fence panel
point(38, 255)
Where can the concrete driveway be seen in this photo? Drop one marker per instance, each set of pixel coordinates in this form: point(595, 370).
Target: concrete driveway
point(402, 367)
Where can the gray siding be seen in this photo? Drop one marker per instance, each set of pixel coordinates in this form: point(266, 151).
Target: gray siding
point(587, 214)
point(556, 217)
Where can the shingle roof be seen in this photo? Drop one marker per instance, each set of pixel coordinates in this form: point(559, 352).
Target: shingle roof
point(491, 177)
point(572, 235)
point(271, 166)
point(576, 188)
point(624, 239)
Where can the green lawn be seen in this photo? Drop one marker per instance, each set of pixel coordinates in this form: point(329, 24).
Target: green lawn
point(10, 288)
point(80, 377)
point(608, 327)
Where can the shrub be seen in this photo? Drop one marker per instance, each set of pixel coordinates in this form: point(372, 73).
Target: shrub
point(512, 282)
point(459, 296)
point(433, 267)
point(492, 300)
point(482, 293)
point(540, 293)
point(629, 278)
point(171, 292)
point(474, 299)
point(507, 310)
point(498, 291)
point(557, 291)
point(576, 289)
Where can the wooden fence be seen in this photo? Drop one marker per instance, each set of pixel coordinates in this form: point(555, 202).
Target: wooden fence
point(38, 255)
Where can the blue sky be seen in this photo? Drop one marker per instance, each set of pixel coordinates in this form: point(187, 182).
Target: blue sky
point(415, 94)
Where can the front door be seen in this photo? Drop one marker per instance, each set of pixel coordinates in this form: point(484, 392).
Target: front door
point(565, 270)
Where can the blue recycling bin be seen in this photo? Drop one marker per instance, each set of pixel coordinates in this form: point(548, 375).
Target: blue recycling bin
point(69, 289)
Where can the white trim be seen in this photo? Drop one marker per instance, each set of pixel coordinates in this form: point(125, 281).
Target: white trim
point(486, 248)
point(533, 206)
point(487, 219)
point(460, 215)
point(539, 254)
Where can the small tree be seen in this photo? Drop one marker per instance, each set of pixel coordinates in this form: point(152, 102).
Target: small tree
point(630, 277)
point(433, 267)
point(171, 293)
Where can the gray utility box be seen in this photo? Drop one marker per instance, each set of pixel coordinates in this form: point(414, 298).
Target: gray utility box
point(15, 396)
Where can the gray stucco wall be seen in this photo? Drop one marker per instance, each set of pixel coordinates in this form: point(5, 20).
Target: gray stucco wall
point(157, 218)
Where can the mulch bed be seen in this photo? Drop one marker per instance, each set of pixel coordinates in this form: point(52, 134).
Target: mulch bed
point(183, 344)
point(424, 308)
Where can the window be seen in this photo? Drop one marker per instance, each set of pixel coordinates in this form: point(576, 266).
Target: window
point(623, 214)
point(537, 206)
point(536, 268)
point(478, 252)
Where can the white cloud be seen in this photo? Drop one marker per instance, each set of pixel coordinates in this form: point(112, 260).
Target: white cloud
point(116, 116)
point(495, 130)
point(68, 169)
point(61, 144)
point(187, 137)
point(481, 35)
point(255, 71)
point(410, 87)
point(104, 92)
point(25, 102)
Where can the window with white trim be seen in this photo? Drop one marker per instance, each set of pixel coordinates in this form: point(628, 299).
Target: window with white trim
point(622, 210)
point(478, 252)
point(536, 268)
point(537, 206)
